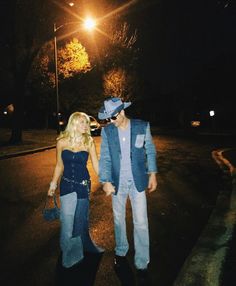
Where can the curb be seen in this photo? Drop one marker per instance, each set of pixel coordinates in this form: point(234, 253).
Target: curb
point(204, 265)
point(22, 153)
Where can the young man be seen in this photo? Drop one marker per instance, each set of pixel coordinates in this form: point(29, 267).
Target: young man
point(127, 168)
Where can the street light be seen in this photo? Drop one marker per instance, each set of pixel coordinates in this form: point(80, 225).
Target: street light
point(88, 24)
point(212, 115)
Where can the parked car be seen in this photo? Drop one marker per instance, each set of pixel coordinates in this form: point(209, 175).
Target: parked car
point(103, 122)
point(95, 127)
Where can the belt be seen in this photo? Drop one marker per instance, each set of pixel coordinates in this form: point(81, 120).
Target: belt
point(84, 182)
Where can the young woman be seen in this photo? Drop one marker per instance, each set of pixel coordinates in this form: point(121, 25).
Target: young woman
point(74, 146)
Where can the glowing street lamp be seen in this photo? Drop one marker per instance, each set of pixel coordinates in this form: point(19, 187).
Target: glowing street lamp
point(89, 24)
point(212, 113)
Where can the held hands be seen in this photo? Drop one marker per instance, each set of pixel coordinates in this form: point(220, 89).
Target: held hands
point(152, 183)
point(108, 188)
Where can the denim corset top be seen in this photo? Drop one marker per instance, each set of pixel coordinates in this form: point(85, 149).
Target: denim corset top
point(75, 175)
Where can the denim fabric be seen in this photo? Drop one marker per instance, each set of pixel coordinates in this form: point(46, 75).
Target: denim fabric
point(75, 172)
point(74, 234)
point(143, 154)
point(150, 151)
point(140, 222)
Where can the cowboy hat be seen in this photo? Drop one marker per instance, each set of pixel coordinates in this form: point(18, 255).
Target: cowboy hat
point(112, 106)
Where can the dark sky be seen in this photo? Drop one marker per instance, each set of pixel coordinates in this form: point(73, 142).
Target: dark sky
point(184, 45)
point(185, 41)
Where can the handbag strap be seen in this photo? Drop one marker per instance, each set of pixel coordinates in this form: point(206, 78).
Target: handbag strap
point(54, 200)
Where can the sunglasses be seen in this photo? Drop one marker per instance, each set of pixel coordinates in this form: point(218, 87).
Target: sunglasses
point(114, 117)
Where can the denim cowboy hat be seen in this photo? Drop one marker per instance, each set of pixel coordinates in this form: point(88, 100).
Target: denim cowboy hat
point(112, 106)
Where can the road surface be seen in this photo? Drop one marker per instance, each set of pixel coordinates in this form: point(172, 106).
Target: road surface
point(188, 184)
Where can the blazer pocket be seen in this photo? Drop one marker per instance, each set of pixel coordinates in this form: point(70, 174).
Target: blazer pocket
point(139, 140)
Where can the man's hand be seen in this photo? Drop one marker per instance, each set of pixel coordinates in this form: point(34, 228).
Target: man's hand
point(152, 183)
point(108, 188)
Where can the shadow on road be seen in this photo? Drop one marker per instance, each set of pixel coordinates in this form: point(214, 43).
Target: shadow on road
point(81, 274)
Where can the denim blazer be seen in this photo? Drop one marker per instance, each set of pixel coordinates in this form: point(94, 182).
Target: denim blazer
point(142, 153)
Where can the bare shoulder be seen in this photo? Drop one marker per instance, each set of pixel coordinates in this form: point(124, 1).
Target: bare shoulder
point(62, 143)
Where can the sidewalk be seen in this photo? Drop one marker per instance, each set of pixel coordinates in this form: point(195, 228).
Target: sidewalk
point(212, 261)
point(228, 270)
point(33, 141)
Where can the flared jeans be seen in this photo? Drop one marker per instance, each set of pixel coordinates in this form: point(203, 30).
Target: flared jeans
point(140, 222)
point(74, 234)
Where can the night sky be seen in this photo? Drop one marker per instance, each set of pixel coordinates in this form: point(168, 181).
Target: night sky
point(185, 47)
point(183, 41)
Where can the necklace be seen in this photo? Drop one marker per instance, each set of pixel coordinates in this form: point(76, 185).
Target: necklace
point(76, 141)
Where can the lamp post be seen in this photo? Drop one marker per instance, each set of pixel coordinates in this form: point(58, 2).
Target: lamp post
point(56, 79)
point(89, 24)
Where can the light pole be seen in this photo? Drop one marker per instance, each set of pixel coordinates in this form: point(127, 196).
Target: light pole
point(56, 80)
point(89, 24)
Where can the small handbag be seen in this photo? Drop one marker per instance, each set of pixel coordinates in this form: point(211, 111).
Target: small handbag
point(53, 213)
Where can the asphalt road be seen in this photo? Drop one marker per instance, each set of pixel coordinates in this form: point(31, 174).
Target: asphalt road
point(188, 184)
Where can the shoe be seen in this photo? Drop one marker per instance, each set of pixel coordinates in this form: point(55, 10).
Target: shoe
point(120, 261)
point(143, 278)
point(124, 271)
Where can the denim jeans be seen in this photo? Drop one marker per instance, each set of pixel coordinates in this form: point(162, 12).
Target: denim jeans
point(74, 234)
point(140, 223)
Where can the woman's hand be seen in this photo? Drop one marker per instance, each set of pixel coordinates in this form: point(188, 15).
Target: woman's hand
point(51, 192)
point(52, 189)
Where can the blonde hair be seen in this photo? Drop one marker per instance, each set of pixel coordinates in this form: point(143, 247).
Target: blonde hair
point(70, 132)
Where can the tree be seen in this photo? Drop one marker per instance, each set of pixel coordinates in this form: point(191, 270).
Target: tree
point(73, 61)
point(30, 25)
point(29, 29)
point(118, 82)
point(120, 78)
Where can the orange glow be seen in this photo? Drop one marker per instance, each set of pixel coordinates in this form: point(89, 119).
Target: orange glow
point(89, 23)
point(116, 11)
point(195, 123)
point(10, 108)
point(120, 9)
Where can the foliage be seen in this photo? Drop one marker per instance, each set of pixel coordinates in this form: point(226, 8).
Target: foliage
point(120, 78)
point(30, 26)
point(82, 92)
point(120, 50)
point(73, 59)
point(121, 37)
point(118, 82)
